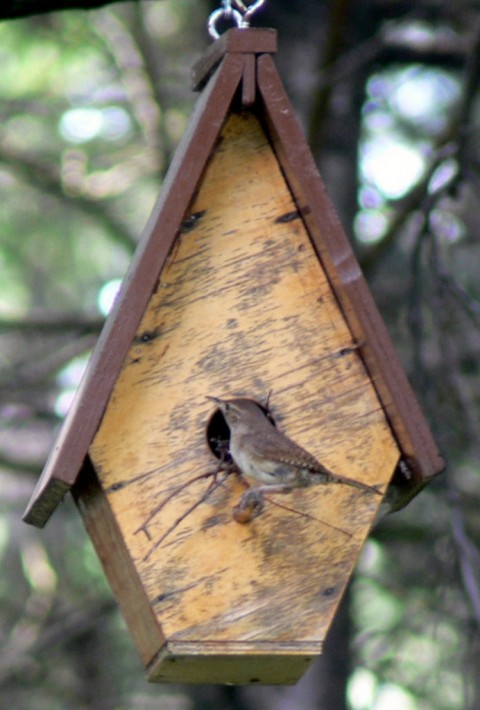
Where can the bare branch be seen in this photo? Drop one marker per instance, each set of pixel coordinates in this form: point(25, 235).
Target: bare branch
point(469, 560)
point(27, 467)
point(53, 323)
point(43, 177)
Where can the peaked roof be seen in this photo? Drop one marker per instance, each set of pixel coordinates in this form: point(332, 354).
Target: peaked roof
point(240, 61)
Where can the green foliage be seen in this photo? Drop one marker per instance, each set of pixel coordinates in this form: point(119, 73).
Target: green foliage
point(81, 158)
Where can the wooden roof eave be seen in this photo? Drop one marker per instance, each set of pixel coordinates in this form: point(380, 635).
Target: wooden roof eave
point(71, 447)
point(395, 393)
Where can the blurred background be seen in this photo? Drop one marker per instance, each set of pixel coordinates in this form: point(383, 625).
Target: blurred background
point(92, 105)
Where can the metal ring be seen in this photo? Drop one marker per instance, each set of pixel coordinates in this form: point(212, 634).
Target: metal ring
point(252, 9)
point(219, 14)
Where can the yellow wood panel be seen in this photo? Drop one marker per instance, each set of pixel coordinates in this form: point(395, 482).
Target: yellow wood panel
point(242, 308)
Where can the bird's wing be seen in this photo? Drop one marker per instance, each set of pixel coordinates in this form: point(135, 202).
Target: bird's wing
point(279, 450)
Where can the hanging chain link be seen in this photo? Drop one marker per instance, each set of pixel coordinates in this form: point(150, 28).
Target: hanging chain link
point(234, 11)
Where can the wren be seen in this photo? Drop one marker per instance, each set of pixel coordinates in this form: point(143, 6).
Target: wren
point(266, 456)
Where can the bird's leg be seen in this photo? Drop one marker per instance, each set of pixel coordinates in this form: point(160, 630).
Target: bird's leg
point(252, 502)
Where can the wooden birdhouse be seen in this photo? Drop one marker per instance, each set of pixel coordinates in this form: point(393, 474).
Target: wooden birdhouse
point(243, 284)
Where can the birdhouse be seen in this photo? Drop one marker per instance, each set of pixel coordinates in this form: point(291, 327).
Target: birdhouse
point(244, 284)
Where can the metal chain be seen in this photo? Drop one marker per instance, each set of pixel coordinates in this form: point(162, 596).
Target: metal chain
point(234, 11)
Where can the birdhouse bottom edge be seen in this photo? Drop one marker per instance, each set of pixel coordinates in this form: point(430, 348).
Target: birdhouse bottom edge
point(231, 664)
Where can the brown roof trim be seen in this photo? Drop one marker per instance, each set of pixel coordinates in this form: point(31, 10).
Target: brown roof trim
point(332, 246)
point(252, 41)
point(84, 417)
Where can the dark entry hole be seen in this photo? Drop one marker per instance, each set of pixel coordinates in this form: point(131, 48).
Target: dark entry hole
point(218, 433)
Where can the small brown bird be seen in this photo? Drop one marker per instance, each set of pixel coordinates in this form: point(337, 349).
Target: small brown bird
point(262, 453)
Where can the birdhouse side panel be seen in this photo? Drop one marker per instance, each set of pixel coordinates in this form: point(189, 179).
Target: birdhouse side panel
point(117, 564)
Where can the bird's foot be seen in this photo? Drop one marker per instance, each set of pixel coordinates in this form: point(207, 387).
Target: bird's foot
point(251, 504)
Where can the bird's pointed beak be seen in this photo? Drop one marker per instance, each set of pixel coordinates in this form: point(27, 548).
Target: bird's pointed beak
point(217, 400)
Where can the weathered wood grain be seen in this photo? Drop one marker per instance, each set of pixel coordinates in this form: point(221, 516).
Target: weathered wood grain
point(242, 307)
